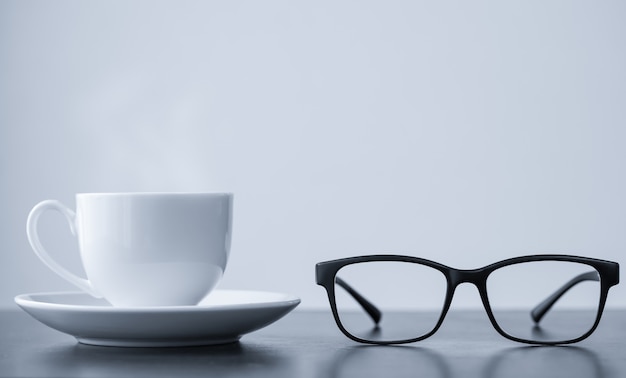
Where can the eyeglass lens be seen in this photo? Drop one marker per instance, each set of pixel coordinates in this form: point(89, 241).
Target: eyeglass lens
point(547, 301)
point(413, 289)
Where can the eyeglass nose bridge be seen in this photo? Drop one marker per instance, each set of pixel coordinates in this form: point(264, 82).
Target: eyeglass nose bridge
point(477, 277)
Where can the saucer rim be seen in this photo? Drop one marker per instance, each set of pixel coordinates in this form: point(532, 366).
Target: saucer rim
point(27, 300)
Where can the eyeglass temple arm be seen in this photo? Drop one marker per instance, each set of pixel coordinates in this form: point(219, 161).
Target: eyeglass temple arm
point(542, 308)
point(371, 310)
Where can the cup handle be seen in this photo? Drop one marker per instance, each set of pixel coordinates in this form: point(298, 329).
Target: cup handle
point(33, 238)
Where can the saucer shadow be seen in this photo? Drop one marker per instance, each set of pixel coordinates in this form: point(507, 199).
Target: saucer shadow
point(234, 359)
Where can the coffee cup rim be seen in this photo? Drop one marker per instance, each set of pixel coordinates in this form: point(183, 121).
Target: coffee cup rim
point(161, 194)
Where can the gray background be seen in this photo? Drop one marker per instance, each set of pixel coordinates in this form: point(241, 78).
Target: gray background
point(460, 131)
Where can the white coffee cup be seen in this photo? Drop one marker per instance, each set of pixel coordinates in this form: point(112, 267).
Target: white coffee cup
point(145, 249)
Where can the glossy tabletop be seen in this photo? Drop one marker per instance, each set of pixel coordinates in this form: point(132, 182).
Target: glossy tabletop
point(308, 344)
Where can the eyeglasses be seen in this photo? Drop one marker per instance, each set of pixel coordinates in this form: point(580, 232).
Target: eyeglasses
point(539, 299)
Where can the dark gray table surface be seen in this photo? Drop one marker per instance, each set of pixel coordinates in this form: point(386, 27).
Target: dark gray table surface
point(308, 344)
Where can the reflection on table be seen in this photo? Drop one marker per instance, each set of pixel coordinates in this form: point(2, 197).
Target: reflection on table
point(308, 344)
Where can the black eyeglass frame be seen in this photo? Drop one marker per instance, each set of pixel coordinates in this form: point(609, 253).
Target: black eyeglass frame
point(326, 275)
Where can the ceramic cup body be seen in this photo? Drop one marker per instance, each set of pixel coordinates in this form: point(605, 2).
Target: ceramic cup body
point(149, 249)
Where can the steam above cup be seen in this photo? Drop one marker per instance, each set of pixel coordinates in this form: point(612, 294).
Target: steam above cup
point(145, 249)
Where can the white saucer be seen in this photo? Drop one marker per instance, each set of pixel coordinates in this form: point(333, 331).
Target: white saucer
point(222, 317)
